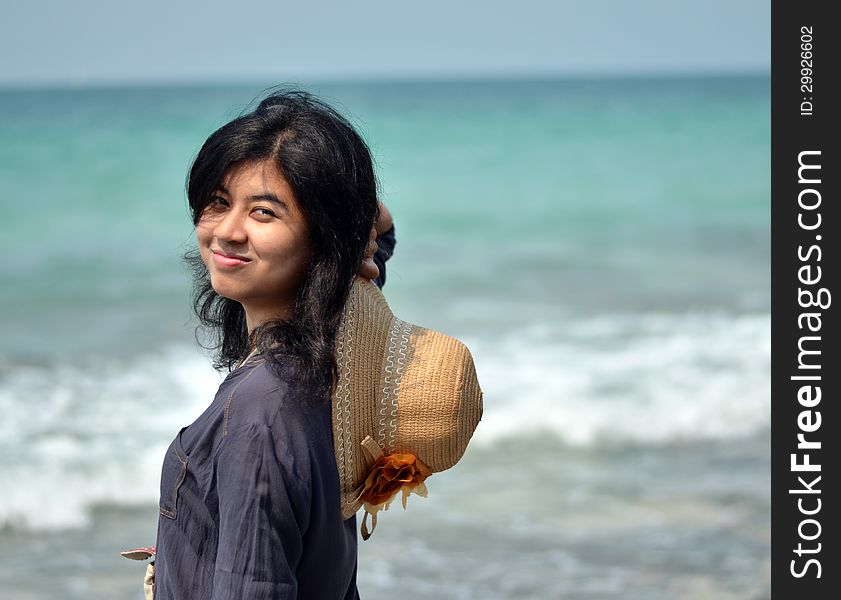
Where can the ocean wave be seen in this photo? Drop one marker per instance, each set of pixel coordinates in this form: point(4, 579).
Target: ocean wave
point(650, 379)
point(76, 436)
point(91, 433)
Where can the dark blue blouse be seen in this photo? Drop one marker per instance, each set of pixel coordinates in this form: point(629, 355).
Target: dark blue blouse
point(249, 505)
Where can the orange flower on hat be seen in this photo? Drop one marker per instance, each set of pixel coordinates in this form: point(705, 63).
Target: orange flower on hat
point(393, 472)
point(389, 474)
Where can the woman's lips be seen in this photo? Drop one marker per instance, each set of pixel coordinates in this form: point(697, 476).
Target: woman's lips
point(224, 260)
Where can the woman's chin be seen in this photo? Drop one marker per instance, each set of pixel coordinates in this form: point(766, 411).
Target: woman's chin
point(226, 291)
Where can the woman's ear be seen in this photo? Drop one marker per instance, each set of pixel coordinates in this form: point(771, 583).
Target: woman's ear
point(368, 268)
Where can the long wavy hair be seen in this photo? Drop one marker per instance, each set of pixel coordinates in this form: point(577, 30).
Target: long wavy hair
point(329, 168)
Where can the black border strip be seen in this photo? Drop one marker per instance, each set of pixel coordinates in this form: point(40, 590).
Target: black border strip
point(806, 365)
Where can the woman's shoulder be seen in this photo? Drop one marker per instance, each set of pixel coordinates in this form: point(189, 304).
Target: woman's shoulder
point(271, 395)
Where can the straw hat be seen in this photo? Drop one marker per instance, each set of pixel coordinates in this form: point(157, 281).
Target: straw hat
point(405, 405)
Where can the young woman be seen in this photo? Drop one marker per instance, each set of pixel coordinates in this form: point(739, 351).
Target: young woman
point(284, 202)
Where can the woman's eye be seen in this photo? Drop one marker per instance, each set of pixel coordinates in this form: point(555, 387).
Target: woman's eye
point(216, 204)
point(213, 208)
point(264, 212)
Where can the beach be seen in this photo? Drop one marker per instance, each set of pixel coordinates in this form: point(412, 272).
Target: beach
point(601, 245)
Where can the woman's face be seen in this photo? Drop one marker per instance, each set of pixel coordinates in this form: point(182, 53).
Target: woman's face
point(254, 240)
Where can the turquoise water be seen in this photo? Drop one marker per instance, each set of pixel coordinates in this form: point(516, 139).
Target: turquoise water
point(639, 193)
point(602, 246)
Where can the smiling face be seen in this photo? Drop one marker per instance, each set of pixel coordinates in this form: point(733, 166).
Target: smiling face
point(254, 240)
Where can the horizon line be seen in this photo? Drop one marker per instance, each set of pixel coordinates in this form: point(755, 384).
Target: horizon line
point(374, 79)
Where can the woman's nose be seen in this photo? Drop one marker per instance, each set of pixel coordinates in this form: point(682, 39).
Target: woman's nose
point(231, 228)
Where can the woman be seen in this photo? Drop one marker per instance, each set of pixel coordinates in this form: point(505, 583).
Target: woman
point(284, 202)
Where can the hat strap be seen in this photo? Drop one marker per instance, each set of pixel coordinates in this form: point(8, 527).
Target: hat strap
point(374, 452)
point(372, 448)
point(365, 533)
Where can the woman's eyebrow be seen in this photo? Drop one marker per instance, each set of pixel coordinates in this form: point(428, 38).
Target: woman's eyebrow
point(264, 197)
point(267, 197)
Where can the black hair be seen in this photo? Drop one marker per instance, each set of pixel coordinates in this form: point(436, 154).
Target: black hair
point(329, 168)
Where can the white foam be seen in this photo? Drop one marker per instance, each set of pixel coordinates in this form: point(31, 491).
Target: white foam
point(73, 437)
point(645, 379)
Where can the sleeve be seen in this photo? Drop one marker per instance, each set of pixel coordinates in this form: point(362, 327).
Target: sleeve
point(263, 513)
point(385, 249)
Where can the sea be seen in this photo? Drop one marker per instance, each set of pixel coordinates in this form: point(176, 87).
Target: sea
point(602, 245)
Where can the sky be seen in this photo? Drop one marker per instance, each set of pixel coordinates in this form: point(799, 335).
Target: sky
point(79, 42)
